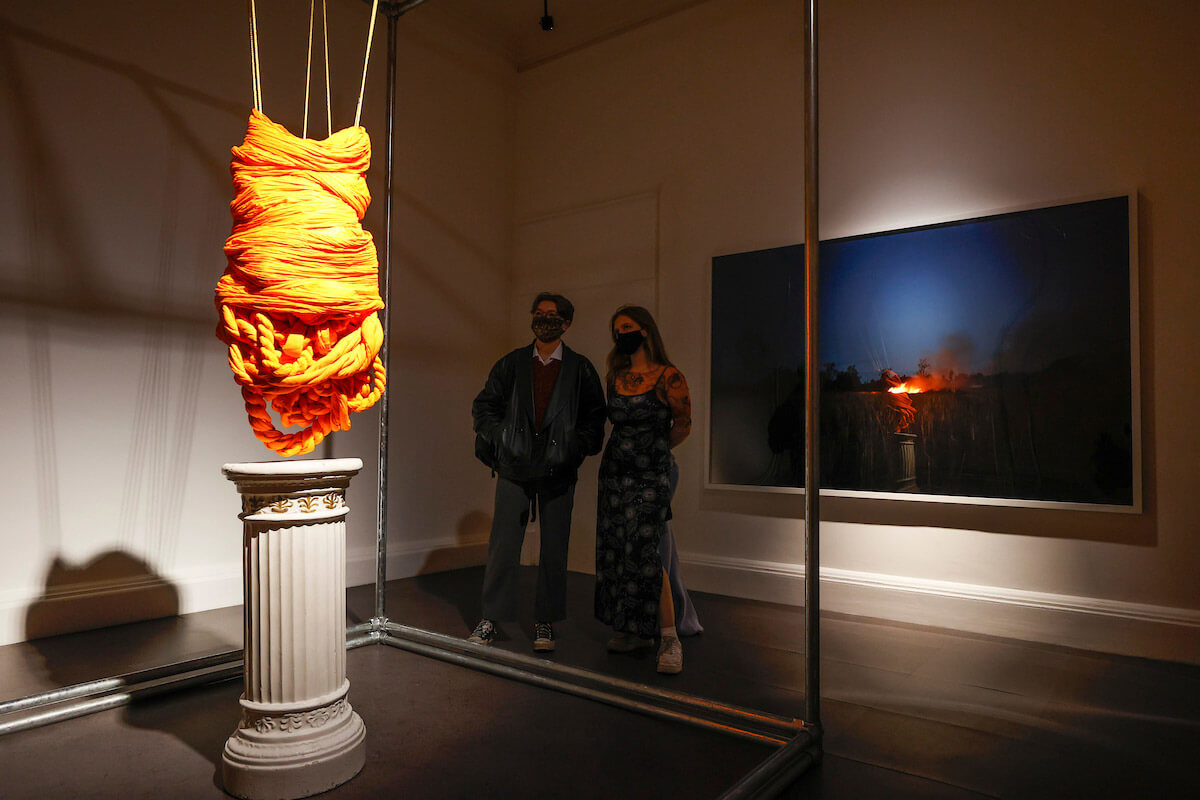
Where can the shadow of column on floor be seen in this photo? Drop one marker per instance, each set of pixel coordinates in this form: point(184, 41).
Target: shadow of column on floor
point(203, 725)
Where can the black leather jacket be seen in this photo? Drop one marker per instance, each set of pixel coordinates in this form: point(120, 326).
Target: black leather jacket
point(572, 429)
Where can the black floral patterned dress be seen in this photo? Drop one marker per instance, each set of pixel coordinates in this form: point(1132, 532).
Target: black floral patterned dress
point(632, 510)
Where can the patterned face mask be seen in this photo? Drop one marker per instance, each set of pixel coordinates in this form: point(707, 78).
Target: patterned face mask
point(547, 329)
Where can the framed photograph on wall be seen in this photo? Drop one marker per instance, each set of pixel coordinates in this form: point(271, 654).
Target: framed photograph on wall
point(983, 360)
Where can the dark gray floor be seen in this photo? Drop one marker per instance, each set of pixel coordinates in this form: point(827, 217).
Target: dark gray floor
point(434, 731)
point(909, 712)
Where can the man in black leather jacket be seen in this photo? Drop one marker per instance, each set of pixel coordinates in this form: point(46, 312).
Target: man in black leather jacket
point(541, 412)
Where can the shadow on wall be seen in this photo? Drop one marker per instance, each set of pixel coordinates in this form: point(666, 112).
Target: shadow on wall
point(60, 274)
point(104, 593)
point(111, 589)
point(61, 288)
point(469, 550)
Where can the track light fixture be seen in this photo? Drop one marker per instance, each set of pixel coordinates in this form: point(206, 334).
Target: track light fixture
point(547, 21)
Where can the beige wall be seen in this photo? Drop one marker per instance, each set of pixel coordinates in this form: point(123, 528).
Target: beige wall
point(613, 174)
point(930, 111)
point(118, 409)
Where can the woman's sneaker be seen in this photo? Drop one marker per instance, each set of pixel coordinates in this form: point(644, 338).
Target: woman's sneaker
point(543, 637)
point(670, 656)
point(627, 643)
point(484, 632)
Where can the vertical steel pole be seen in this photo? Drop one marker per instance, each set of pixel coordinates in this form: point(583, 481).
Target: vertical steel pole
point(385, 351)
point(812, 386)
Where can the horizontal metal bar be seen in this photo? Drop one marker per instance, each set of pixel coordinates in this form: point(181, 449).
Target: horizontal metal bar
point(211, 674)
point(144, 682)
point(71, 692)
point(766, 780)
point(719, 717)
point(776, 773)
point(610, 698)
point(359, 641)
point(726, 716)
point(104, 685)
point(71, 711)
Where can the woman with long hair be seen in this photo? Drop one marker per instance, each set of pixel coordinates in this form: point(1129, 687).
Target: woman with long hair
point(651, 412)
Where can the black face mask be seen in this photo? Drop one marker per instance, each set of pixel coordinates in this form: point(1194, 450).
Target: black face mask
point(547, 329)
point(629, 342)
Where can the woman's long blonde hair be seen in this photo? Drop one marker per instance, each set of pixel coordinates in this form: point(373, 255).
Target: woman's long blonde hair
point(655, 351)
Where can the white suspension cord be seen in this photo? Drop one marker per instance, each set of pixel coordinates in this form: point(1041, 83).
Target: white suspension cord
point(255, 75)
point(328, 101)
point(366, 59)
point(308, 67)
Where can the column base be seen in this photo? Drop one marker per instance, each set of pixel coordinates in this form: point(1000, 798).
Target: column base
point(294, 754)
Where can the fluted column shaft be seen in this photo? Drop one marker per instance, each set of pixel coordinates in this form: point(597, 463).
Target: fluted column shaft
point(295, 610)
point(298, 734)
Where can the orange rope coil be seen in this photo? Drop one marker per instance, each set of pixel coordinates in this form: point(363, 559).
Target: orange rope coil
point(299, 297)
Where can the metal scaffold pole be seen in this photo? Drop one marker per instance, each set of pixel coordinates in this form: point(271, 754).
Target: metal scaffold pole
point(812, 385)
point(393, 10)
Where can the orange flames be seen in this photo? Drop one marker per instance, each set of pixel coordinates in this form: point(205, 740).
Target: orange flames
point(916, 384)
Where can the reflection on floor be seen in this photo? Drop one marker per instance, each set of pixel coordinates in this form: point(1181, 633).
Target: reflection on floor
point(909, 712)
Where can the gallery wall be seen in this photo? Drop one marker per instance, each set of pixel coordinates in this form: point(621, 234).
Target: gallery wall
point(614, 174)
point(118, 409)
point(929, 111)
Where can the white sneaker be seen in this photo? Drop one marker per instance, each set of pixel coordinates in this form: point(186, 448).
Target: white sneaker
point(670, 656)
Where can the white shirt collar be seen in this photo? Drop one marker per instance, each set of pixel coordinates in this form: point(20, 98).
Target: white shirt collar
point(557, 354)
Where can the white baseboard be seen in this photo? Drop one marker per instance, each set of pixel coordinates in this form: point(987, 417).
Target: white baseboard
point(1088, 623)
point(96, 604)
point(406, 559)
point(1085, 622)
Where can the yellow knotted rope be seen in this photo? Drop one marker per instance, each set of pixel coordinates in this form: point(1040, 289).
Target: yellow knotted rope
point(299, 297)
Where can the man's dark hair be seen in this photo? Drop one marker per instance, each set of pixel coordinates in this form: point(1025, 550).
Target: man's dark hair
point(566, 309)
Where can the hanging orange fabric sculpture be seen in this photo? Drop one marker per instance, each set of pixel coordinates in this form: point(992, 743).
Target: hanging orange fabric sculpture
point(299, 297)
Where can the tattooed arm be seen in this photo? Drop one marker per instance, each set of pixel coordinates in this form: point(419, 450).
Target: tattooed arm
point(675, 393)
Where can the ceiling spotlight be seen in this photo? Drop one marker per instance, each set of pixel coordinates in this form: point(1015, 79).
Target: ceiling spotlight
point(547, 21)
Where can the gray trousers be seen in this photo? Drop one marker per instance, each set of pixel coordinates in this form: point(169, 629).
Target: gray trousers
point(511, 515)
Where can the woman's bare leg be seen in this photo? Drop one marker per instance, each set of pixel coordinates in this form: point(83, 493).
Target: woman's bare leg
point(670, 652)
point(666, 604)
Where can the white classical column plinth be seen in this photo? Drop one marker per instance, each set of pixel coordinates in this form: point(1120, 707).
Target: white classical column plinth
point(298, 735)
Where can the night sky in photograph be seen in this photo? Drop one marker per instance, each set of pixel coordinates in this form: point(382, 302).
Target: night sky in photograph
point(1010, 292)
point(889, 301)
point(1013, 292)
